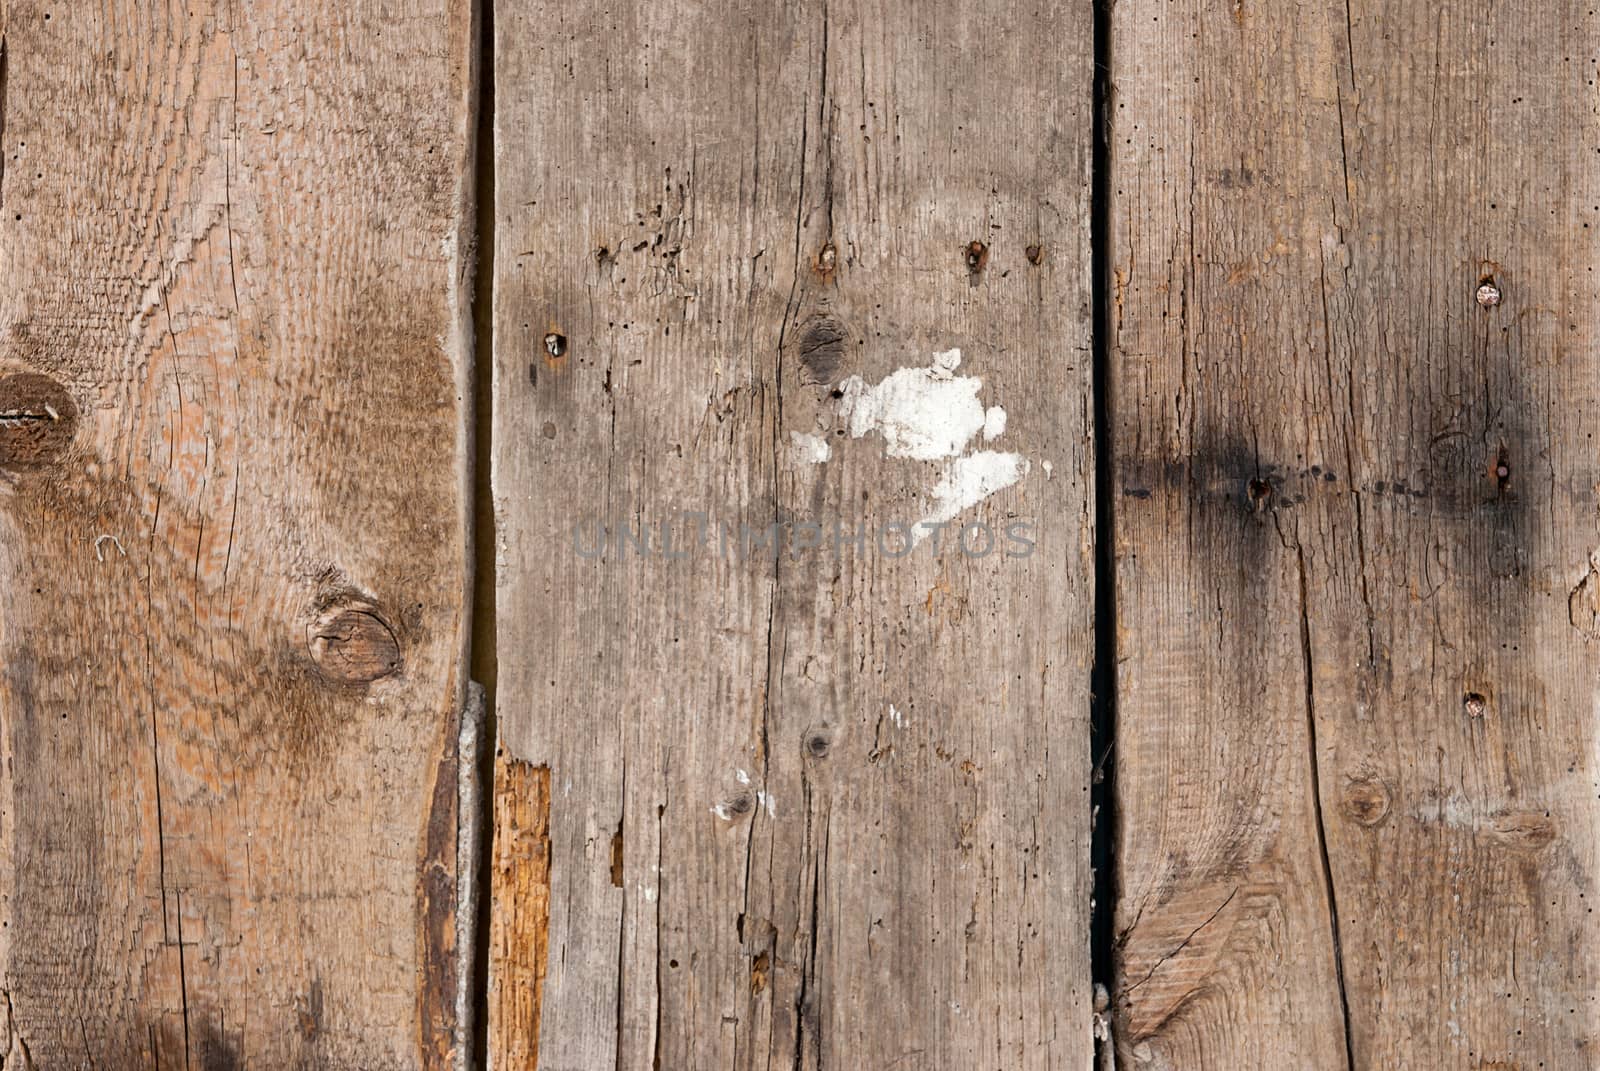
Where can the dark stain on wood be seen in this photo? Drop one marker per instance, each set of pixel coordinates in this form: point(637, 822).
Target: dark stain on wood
point(309, 1011)
point(822, 352)
point(217, 1051)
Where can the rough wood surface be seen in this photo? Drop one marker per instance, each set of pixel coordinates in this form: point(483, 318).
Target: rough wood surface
point(1356, 527)
point(519, 880)
point(231, 531)
point(828, 810)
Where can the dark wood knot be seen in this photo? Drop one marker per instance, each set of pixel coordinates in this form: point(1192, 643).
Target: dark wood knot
point(354, 645)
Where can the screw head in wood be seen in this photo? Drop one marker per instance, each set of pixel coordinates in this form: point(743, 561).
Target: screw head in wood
point(1488, 294)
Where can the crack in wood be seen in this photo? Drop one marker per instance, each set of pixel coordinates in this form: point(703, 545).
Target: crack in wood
point(1309, 669)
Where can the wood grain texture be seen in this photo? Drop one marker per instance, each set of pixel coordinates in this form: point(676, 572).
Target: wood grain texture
point(232, 571)
point(519, 880)
point(1357, 511)
point(828, 808)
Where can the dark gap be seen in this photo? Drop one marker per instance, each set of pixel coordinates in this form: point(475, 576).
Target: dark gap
point(484, 657)
point(3, 72)
point(1103, 681)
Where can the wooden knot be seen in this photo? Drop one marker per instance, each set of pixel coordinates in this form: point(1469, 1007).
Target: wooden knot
point(1525, 831)
point(822, 352)
point(735, 807)
point(37, 420)
point(353, 645)
point(1365, 802)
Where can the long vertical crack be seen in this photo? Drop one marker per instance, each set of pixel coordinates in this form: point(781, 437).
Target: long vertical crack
point(3, 63)
point(483, 659)
point(1103, 680)
point(1316, 809)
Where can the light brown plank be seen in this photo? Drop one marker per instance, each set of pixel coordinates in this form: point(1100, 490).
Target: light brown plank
point(519, 880)
point(232, 571)
point(830, 810)
point(1356, 740)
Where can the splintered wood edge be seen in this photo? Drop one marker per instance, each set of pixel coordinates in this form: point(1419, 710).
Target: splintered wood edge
point(519, 925)
point(474, 717)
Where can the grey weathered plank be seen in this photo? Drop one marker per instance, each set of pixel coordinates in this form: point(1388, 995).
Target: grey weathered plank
point(232, 355)
point(1356, 514)
point(829, 810)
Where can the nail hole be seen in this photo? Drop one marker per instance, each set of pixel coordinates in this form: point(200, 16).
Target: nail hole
point(977, 257)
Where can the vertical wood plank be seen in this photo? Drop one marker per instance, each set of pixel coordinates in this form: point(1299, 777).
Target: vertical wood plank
point(518, 935)
point(1357, 511)
point(827, 807)
point(232, 356)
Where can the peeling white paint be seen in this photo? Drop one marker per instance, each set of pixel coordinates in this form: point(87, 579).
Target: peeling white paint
point(994, 423)
point(1049, 470)
point(809, 449)
point(929, 414)
point(722, 812)
point(742, 777)
point(766, 800)
point(896, 717)
point(924, 413)
point(971, 479)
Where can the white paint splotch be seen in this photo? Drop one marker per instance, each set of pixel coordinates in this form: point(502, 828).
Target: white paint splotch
point(924, 413)
point(933, 414)
point(971, 479)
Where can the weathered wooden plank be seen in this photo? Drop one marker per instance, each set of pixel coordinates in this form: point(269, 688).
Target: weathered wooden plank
point(1356, 514)
point(826, 807)
point(232, 356)
point(520, 886)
